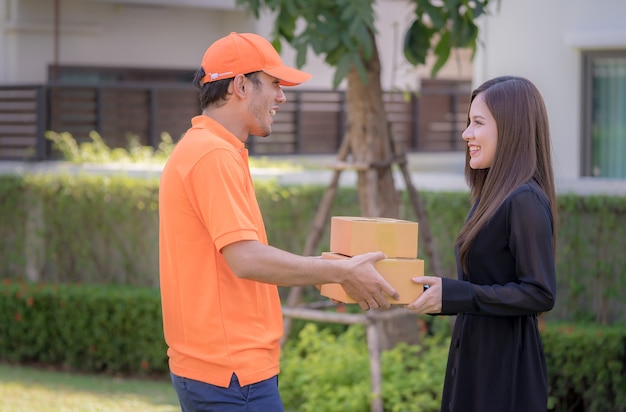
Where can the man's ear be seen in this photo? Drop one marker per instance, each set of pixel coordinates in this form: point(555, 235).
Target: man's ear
point(240, 85)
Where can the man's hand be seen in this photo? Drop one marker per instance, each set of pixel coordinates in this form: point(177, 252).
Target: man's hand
point(430, 300)
point(365, 285)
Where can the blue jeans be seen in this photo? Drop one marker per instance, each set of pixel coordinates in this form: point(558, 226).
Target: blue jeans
point(195, 396)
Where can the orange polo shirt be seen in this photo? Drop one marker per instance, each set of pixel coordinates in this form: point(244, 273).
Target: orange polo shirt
point(214, 323)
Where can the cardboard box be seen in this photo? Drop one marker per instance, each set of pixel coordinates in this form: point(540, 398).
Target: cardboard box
point(352, 236)
point(398, 272)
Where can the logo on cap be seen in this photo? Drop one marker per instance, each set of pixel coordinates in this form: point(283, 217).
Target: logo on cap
point(215, 76)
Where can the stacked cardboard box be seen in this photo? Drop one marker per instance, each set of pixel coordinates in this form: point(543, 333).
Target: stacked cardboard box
point(350, 236)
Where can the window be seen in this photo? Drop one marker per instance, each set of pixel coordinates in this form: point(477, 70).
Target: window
point(604, 120)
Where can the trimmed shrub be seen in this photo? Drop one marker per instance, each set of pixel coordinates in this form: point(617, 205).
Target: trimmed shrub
point(587, 367)
point(91, 328)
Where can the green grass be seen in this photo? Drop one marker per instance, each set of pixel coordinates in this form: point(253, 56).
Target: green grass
point(27, 389)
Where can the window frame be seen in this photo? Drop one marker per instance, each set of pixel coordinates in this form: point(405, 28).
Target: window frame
point(588, 59)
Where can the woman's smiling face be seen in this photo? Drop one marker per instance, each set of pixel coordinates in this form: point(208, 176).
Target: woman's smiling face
point(481, 135)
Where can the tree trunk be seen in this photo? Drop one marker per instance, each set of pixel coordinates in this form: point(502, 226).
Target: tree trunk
point(370, 143)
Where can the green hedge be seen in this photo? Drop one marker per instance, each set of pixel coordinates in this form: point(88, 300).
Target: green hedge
point(13, 218)
point(104, 229)
point(118, 330)
point(587, 366)
point(91, 328)
point(88, 228)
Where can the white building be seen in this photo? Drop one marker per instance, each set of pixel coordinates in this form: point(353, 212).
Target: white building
point(71, 43)
point(575, 52)
point(38, 35)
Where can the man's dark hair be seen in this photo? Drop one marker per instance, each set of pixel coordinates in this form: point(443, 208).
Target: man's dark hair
point(216, 93)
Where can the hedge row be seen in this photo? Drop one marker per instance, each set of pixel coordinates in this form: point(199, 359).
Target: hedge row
point(91, 328)
point(104, 230)
point(118, 330)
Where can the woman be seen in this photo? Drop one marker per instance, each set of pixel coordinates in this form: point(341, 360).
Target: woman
point(505, 256)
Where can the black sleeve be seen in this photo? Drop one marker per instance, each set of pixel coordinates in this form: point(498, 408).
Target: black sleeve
point(529, 225)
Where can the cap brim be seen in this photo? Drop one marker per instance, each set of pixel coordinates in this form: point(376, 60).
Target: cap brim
point(288, 76)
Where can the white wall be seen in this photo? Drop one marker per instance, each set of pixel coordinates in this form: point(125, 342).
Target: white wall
point(543, 41)
point(111, 33)
point(3, 52)
point(108, 34)
point(7, 43)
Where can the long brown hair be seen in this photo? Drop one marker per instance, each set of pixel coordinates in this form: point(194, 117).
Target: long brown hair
point(523, 152)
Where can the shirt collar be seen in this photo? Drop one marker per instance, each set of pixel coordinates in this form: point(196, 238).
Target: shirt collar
point(205, 122)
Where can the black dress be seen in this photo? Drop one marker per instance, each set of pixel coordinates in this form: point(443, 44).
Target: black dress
point(496, 360)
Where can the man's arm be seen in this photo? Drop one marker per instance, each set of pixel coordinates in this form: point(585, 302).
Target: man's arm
point(252, 260)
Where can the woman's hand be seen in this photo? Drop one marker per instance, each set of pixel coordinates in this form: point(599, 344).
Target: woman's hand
point(430, 300)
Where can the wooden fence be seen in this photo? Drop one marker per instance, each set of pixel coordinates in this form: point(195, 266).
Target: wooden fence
point(22, 122)
point(311, 122)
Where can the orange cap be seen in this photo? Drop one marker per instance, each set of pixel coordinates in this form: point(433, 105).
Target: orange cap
point(243, 53)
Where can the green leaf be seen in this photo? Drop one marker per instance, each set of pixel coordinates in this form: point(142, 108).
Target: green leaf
point(358, 63)
point(442, 51)
point(464, 32)
point(333, 56)
point(301, 49)
point(331, 43)
point(437, 14)
point(343, 67)
point(286, 24)
point(480, 7)
point(452, 4)
point(417, 43)
point(277, 43)
point(365, 42)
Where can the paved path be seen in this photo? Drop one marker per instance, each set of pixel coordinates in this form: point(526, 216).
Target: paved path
point(429, 171)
